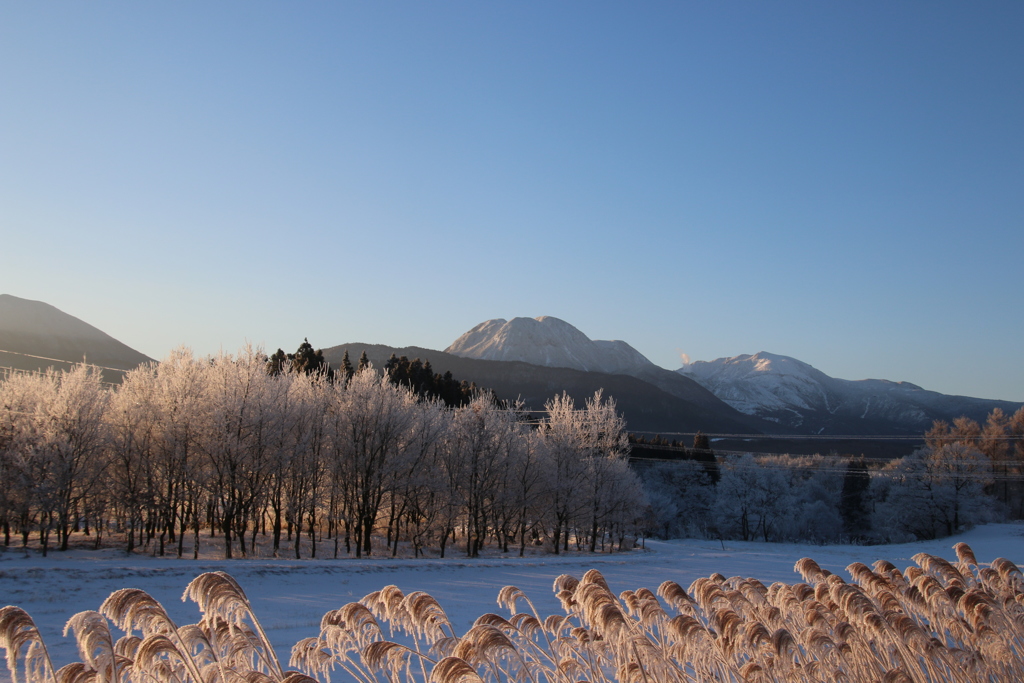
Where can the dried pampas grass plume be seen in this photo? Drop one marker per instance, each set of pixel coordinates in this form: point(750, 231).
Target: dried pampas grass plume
point(132, 608)
point(18, 632)
point(297, 677)
point(454, 670)
point(95, 645)
point(964, 554)
point(426, 618)
point(76, 672)
point(221, 598)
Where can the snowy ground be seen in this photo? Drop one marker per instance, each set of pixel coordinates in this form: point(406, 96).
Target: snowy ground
point(290, 596)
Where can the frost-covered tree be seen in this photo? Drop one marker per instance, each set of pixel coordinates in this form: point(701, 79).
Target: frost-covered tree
point(751, 499)
point(565, 471)
point(525, 487)
point(813, 511)
point(605, 448)
point(680, 494)
point(376, 417)
point(180, 492)
point(933, 492)
point(415, 480)
point(53, 437)
point(74, 435)
point(23, 462)
point(240, 424)
point(484, 437)
point(133, 420)
point(620, 511)
point(299, 458)
point(582, 447)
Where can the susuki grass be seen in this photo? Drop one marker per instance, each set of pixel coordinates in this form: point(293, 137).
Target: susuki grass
point(936, 621)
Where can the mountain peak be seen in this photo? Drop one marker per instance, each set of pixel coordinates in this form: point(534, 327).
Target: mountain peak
point(546, 341)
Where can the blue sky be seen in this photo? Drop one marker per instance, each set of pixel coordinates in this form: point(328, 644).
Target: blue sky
point(841, 183)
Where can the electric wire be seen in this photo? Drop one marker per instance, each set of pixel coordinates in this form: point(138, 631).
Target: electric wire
point(61, 360)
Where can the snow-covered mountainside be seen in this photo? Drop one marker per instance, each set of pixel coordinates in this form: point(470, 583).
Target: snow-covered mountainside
point(548, 342)
point(794, 394)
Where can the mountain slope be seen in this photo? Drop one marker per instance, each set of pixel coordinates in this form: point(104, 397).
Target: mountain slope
point(805, 400)
point(34, 328)
point(645, 406)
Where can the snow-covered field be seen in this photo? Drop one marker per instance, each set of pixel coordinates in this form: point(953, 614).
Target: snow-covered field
point(290, 596)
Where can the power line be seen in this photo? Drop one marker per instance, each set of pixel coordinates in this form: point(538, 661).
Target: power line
point(61, 360)
point(777, 464)
point(7, 371)
point(835, 437)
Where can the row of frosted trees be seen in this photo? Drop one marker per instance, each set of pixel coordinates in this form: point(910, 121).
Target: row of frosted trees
point(966, 474)
point(195, 446)
point(823, 499)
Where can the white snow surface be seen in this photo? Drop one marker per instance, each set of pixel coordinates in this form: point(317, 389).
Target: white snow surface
point(290, 596)
point(548, 342)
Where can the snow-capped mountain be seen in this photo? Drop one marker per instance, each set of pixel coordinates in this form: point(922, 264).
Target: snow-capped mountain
point(548, 342)
point(796, 395)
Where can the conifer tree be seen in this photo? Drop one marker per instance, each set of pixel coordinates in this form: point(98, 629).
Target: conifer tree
point(702, 453)
point(852, 505)
point(307, 361)
point(346, 366)
point(276, 363)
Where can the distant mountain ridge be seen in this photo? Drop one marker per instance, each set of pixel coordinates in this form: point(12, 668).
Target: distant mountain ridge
point(803, 399)
point(34, 328)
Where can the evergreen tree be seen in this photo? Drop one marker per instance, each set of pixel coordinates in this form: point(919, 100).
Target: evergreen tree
point(702, 453)
point(276, 363)
point(304, 360)
point(852, 504)
point(364, 362)
point(701, 442)
point(346, 367)
point(308, 361)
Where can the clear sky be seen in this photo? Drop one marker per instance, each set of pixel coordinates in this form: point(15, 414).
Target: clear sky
point(838, 182)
